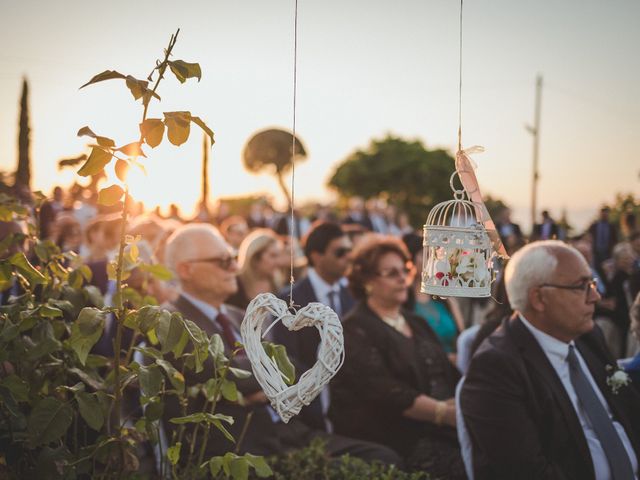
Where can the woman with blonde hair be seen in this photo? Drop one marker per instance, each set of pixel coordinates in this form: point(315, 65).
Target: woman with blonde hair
point(259, 259)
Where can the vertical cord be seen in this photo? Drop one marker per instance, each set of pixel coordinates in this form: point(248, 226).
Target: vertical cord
point(293, 153)
point(460, 86)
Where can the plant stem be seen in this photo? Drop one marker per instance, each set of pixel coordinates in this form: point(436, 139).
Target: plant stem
point(121, 312)
point(245, 427)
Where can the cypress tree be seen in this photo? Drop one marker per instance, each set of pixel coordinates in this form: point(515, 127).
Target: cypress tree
point(23, 172)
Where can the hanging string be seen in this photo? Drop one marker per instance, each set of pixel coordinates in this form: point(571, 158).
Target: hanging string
point(460, 86)
point(293, 155)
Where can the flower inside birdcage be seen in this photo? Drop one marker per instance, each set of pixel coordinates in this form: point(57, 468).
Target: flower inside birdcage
point(461, 267)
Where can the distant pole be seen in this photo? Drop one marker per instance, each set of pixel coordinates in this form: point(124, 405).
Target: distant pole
point(205, 174)
point(535, 132)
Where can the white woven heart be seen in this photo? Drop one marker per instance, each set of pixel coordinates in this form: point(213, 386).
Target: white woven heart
point(289, 399)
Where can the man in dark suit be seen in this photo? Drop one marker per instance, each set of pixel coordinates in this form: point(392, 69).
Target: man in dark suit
point(328, 251)
point(206, 270)
point(546, 230)
point(604, 237)
point(539, 401)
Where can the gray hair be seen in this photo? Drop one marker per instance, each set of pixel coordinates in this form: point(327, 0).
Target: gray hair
point(182, 244)
point(531, 266)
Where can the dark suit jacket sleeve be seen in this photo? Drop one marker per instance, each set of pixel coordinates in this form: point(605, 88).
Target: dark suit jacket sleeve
point(504, 436)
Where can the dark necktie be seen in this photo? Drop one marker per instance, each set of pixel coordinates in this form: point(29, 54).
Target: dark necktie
point(228, 331)
point(333, 301)
point(619, 461)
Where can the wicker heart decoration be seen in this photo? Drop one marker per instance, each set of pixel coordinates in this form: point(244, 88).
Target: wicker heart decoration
point(287, 400)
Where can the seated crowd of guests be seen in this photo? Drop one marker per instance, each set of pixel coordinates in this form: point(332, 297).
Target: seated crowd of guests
point(394, 398)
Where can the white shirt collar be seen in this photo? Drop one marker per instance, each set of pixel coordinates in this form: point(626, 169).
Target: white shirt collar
point(207, 309)
point(554, 348)
point(320, 287)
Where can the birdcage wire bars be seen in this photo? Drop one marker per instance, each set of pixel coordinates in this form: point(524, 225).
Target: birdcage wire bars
point(457, 251)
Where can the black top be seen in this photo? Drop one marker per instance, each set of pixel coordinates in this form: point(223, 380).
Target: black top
point(383, 373)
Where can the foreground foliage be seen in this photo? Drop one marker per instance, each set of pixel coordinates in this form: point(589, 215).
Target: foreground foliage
point(67, 412)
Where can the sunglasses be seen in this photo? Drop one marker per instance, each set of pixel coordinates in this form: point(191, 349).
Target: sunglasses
point(223, 262)
point(396, 272)
point(341, 252)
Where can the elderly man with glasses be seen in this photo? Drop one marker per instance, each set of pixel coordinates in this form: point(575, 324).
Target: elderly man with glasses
point(206, 269)
point(542, 398)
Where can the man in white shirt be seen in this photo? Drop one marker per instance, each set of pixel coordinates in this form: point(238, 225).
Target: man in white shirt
point(539, 401)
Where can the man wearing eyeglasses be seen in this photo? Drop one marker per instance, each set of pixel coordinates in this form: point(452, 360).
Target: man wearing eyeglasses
point(539, 401)
point(206, 270)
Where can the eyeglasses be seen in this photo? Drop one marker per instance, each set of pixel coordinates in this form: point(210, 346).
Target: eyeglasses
point(396, 272)
point(341, 252)
point(223, 262)
point(585, 286)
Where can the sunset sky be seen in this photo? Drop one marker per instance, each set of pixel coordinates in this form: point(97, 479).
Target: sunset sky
point(365, 68)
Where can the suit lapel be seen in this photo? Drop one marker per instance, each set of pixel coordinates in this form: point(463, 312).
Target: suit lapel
point(537, 360)
point(193, 313)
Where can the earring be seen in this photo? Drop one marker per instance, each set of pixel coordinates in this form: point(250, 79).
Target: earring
point(368, 288)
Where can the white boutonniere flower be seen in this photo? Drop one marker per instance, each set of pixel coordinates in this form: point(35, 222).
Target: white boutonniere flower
point(617, 379)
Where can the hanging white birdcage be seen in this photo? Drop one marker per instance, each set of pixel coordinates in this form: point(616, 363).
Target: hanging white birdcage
point(458, 256)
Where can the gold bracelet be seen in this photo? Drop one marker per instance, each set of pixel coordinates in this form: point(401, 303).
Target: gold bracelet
point(441, 409)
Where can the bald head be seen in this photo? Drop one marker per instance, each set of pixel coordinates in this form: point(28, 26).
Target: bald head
point(203, 263)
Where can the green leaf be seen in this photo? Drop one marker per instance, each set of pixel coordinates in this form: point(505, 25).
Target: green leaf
point(6, 275)
point(173, 453)
point(223, 430)
point(199, 417)
point(200, 343)
point(139, 88)
point(259, 464)
point(93, 295)
point(42, 252)
point(149, 317)
point(27, 270)
point(169, 330)
point(50, 312)
point(158, 271)
point(175, 377)
point(19, 388)
point(198, 121)
point(239, 468)
point(110, 195)
point(152, 130)
point(90, 409)
point(279, 354)
point(86, 331)
point(183, 70)
point(154, 410)
point(215, 464)
point(106, 75)
point(150, 380)
point(96, 162)
point(229, 390)
point(49, 420)
point(178, 126)
point(239, 373)
point(216, 348)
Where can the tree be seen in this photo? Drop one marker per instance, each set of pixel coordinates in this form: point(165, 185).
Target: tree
point(23, 172)
point(271, 149)
point(409, 176)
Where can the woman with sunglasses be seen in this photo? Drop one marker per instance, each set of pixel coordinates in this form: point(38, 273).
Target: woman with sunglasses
point(396, 386)
point(259, 259)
